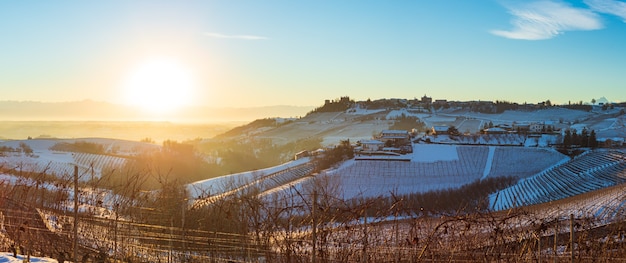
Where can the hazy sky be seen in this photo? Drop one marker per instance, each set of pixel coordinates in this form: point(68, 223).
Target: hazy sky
point(256, 53)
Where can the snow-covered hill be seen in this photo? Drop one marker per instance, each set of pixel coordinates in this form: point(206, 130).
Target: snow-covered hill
point(43, 159)
point(358, 123)
point(546, 175)
point(586, 173)
point(437, 167)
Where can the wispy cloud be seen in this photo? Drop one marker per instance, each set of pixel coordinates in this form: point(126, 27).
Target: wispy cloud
point(612, 7)
point(547, 19)
point(242, 37)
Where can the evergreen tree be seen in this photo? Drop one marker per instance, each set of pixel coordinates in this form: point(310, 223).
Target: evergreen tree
point(575, 137)
point(593, 141)
point(567, 139)
point(584, 138)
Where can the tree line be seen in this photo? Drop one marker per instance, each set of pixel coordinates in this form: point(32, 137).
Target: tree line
point(571, 138)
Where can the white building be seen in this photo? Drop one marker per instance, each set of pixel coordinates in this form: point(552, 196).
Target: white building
point(372, 145)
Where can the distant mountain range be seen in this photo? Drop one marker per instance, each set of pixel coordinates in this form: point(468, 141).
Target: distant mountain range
point(88, 110)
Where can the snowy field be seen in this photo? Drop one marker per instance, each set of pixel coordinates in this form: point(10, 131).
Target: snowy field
point(61, 164)
point(394, 114)
point(8, 258)
point(589, 185)
point(122, 147)
point(436, 167)
point(586, 173)
point(604, 205)
point(427, 153)
point(554, 114)
point(226, 183)
point(359, 124)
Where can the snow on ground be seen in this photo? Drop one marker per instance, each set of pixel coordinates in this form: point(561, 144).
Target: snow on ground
point(12, 180)
point(360, 111)
point(61, 163)
point(611, 128)
point(522, 162)
point(6, 257)
point(489, 163)
point(228, 182)
point(331, 127)
point(358, 124)
point(471, 126)
point(117, 146)
point(588, 172)
point(544, 141)
point(428, 153)
point(394, 114)
point(97, 202)
point(431, 167)
point(434, 167)
point(551, 114)
point(603, 124)
point(433, 120)
point(354, 132)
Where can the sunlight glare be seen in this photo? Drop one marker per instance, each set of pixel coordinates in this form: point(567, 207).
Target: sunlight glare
point(159, 86)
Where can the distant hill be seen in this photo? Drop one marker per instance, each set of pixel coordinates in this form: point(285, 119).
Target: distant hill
point(88, 110)
point(346, 119)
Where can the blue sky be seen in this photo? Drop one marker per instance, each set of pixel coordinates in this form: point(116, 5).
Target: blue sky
point(257, 53)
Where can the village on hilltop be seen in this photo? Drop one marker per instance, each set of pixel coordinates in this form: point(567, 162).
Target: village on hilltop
point(497, 123)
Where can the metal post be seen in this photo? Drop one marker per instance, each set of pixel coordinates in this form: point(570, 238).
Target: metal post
point(170, 256)
point(397, 249)
point(183, 229)
point(556, 234)
point(571, 235)
point(314, 234)
point(75, 213)
point(539, 247)
point(365, 236)
point(115, 232)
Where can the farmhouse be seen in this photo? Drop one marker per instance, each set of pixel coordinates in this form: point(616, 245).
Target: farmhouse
point(372, 145)
point(537, 127)
point(395, 136)
point(521, 127)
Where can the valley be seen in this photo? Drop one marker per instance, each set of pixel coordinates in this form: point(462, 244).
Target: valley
point(378, 200)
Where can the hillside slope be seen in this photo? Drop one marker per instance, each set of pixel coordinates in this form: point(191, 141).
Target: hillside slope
point(357, 123)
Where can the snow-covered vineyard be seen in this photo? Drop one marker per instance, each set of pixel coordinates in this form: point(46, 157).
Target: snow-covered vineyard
point(586, 173)
point(62, 164)
point(431, 167)
point(59, 163)
point(437, 167)
point(549, 184)
point(241, 183)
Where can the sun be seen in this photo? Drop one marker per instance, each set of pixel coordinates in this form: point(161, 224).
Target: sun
point(159, 86)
